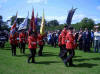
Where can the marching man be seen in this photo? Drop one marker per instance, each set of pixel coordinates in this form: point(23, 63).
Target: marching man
point(13, 42)
point(70, 46)
point(40, 43)
point(22, 40)
point(32, 45)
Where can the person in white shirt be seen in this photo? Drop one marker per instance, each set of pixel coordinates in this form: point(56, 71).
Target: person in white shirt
point(96, 40)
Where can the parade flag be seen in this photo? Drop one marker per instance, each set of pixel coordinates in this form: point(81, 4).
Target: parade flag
point(23, 25)
point(70, 16)
point(13, 28)
point(36, 20)
point(42, 28)
point(32, 22)
point(14, 24)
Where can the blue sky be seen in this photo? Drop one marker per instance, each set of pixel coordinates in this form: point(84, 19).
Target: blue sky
point(54, 9)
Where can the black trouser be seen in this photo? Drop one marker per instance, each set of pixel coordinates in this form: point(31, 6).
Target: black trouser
point(40, 50)
point(54, 43)
point(13, 48)
point(92, 42)
point(80, 45)
point(63, 52)
point(86, 46)
point(32, 55)
point(69, 57)
point(22, 48)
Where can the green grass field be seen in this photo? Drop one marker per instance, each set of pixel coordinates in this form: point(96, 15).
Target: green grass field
point(49, 63)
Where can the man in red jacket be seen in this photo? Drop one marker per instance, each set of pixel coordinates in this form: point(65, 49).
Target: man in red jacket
point(32, 45)
point(40, 43)
point(22, 40)
point(63, 52)
point(13, 42)
point(70, 46)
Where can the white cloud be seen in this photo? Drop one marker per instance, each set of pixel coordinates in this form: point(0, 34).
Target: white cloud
point(78, 17)
point(37, 1)
point(9, 17)
point(62, 19)
point(96, 19)
point(98, 7)
point(56, 17)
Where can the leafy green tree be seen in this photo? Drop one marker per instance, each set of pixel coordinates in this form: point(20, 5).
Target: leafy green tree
point(77, 26)
point(84, 23)
point(98, 24)
point(3, 25)
point(53, 28)
point(53, 23)
point(87, 23)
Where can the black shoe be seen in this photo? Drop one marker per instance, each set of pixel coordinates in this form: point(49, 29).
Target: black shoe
point(14, 55)
point(40, 55)
point(28, 61)
point(62, 58)
point(33, 61)
point(72, 65)
point(65, 62)
point(24, 53)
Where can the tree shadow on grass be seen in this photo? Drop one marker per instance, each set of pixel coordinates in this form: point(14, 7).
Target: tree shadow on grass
point(49, 54)
point(80, 60)
point(97, 58)
point(22, 55)
point(91, 51)
point(47, 62)
point(88, 65)
point(6, 49)
point(77, 56)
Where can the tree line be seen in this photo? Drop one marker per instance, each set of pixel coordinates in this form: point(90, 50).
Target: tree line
point(50, 25)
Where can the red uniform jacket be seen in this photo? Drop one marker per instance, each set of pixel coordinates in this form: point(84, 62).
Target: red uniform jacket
point(40, 39)
point(13, 39)
point(22, 37)
point(32, 42)
point(70, 44)
point(63, 34)
point(59, 40)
